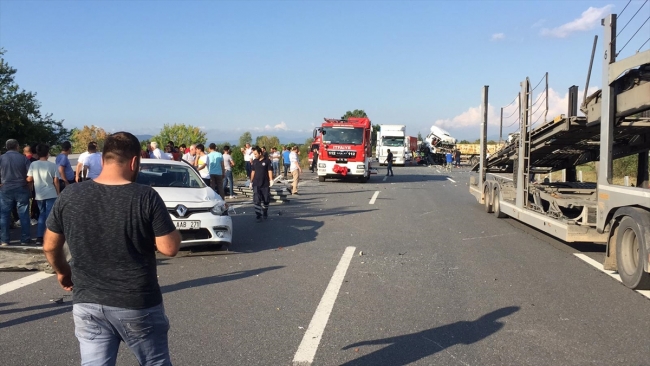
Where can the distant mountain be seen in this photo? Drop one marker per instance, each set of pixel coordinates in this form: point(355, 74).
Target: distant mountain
point(144, 137)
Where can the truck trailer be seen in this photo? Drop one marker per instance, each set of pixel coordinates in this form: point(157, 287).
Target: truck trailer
point(613, 127)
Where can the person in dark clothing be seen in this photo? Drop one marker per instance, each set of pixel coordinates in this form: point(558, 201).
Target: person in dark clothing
point(261, 182)
point(457, 156)
point(389, 163)
point(314, 163)
point(113, 275)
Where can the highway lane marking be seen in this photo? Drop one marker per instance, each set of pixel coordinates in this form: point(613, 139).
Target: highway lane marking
point(22, 282)
point(611, 274)
point(386, 177)
point(310, 341)
point(374, 198)
point(451, 180)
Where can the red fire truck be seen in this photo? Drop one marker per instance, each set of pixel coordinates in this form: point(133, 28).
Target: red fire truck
point(345, 148)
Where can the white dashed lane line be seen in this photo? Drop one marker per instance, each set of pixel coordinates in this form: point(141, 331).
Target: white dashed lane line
point(611, 274)
point(314, 333)
point(374, 198)
point(22, 282)
point(451, 180)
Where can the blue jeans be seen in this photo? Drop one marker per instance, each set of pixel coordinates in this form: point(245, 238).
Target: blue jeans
point(249, 167)
point(44, 208)
point(229, 182)
point(100, 329)
point(276, 168)
point(20, 197)
point(286, 169)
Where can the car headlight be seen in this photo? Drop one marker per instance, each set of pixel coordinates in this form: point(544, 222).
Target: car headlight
point(321, 165)
point(219, 209)
point(361, 167)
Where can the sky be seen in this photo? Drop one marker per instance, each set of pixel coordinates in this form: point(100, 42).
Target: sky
point(279, 68)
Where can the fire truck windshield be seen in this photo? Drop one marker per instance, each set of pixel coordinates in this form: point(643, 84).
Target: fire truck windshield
point(393, 141)
point(338, 135)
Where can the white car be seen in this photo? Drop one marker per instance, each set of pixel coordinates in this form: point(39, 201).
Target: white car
point(198, 212)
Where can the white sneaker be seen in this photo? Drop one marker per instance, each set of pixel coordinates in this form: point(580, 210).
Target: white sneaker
point(17, 223)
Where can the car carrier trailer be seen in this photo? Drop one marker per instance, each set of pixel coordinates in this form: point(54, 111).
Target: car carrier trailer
point(602, 212)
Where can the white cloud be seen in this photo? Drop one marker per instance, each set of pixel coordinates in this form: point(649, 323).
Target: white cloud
point(281, 126)
point(557, 104)
point(538, 23)
point(498, 36)
point(589, 19)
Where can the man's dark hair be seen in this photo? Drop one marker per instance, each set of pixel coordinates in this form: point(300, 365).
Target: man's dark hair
point(42, 150)
point(200, 147)
point(170, 143)
point(92, 147)
point(183, 146)
point(213, 146)
point(258, 149)
point(120, 148)
point(226, 148)
point(66, 146)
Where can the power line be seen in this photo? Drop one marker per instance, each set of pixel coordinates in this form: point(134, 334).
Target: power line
point(540, 106)
point(513, 123)
point(621, 13)
point(538, 100)
point(543, 77)
point(517, 97)
point(540, 116)
point(646, 41)
point(628, 22)
point(637, 31)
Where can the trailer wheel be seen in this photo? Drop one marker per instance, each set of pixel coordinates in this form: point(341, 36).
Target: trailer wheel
point(488, 200)
point(496, 205)
point(631, 254)
point(321, 178)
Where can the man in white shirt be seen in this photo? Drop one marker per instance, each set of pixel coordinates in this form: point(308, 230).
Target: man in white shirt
point(93, 163)
point(155, 151)
point(80, 173)
point(295, 169)
point(275, 160)
point(190, 156)
point(202, 162)
point(45, 177)
point(248, 158)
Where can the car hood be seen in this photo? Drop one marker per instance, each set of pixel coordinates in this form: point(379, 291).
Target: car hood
point(196, 196)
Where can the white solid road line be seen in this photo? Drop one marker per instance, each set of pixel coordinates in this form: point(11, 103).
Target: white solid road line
point(451, 180)
point(22, 282)
point(374, 198)
point(612, 274)
point(310, 341)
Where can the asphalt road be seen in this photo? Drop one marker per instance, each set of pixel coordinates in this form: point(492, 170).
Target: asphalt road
point(440, 282)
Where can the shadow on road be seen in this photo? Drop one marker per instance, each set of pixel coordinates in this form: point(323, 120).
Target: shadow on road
point(206, 281)
point(56, 310)
point(405, 349)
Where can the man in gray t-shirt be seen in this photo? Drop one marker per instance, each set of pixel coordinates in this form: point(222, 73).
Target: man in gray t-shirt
point(228, 164)
point(14, 191)
point(113, 275)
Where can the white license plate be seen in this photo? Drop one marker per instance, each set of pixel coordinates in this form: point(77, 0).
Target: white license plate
point(187, 225)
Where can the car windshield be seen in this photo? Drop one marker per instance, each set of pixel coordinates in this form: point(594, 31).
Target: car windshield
point(338, 135)
point(169, 175)
point(393, 141)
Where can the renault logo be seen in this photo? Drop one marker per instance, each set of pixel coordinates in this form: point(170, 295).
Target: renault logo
point(181, 210)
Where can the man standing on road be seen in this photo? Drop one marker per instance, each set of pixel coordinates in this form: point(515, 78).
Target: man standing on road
point(202, 164)
point(190, 155)
point(80, 173)
point(228, 164)
point(275, 160)
point(389, 163)
point(155, 151)
point(457, 157)
point(45, 177)
point(314, 162)
point(66, 174)
point(93, 162)
point(248, 158)
point(449, 160)
point(286, 160)
point(295, 169)
point(116, 294)
point(14, 191)
point(216, 169)
point(261, 182)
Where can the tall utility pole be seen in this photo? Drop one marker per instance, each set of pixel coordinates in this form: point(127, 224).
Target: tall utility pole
point(484, 124)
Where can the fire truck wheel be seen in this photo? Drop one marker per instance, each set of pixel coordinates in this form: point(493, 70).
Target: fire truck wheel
point(631, 254)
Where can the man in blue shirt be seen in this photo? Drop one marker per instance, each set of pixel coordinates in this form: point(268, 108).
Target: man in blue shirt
point(14, 191)
point(450, 160)
point(66, 173)
point(215, 166)
point(286, 161)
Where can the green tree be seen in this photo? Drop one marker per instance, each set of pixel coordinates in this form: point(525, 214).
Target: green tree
point(239, 170)
point(180, 134)
point(268, 141)
point(304, 152)
point(245, 138)
point(464, 142)
point(81, 137)
point(20, 115)
point(359, 113)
